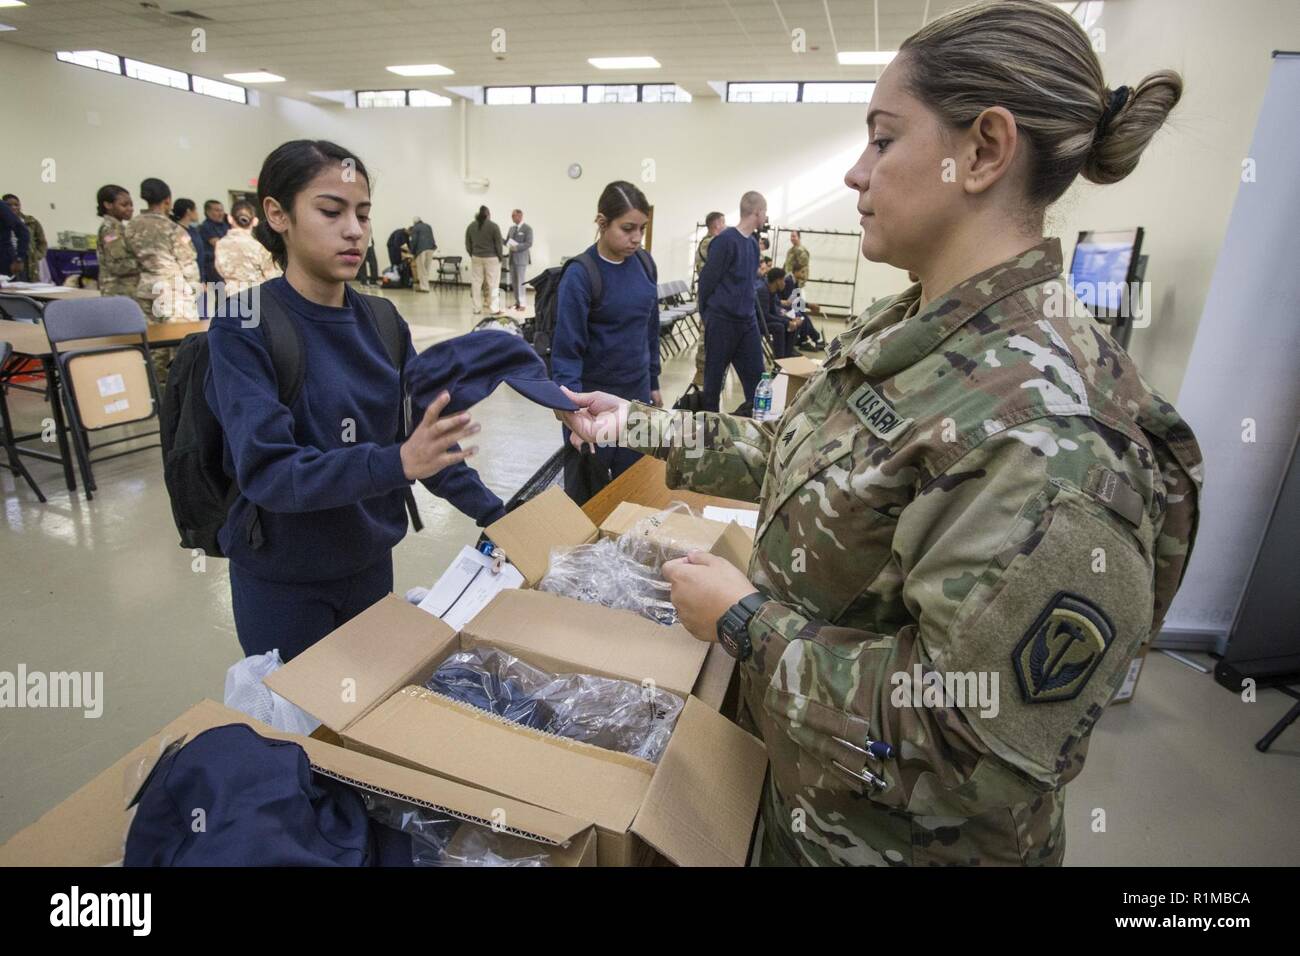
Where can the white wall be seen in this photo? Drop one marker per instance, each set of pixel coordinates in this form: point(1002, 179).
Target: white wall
point(99, 128)
point(705, 155)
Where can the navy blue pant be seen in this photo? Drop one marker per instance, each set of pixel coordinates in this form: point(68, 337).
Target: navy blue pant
point(293, 617)
point(733, 342)
point(583, 478)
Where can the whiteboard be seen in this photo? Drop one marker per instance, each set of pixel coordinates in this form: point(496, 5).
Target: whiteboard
point(1245, 366)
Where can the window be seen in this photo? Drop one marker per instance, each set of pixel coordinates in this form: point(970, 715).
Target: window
point(152, 73)
point(157, 74)
point(762, 92)
point(664, 93)
point(95, 59)
point(604, 93)
point(837, 92)
point(553, 95)
point(377, 99)
point(222, 91)
point(425, 98)
point(509, 95)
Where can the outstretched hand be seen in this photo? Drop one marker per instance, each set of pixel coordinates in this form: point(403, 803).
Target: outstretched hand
point(599, 419)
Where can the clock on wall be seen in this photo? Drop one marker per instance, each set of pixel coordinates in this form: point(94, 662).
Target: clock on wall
point(575, 170)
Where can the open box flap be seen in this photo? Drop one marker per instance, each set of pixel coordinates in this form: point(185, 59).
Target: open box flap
point(89, 828)
point(702, 803)
point(358, 664)
point(432, 733)
point(736, 544)
point(566, 636)
point(527, 534)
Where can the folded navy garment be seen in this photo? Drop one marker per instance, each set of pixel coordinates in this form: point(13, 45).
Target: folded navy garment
point(472, 365)
point(231, 797)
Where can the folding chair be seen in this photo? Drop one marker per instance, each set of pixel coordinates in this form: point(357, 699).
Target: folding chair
point(449, 270)
point(11, 450)
point(19, 308)
point(105, 385)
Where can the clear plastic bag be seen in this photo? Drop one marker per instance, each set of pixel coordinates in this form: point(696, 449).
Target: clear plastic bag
point(622, 572)
point(615, 714)
point(441, 840)
point(246, 693)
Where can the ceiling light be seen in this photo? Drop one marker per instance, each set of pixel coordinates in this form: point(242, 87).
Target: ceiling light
point(421, 69)
point(257, 76)
point(5, 26)
point(866, 57)
point(12, 3)
point(624, 62)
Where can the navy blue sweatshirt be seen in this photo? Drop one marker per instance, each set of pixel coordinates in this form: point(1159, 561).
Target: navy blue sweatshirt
point(726, 283)
point(330, 507)
point(614, 348)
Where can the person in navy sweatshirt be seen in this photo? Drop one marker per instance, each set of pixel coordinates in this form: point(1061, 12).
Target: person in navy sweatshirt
point(611, 346)
point(328, 475)
point(726, 296)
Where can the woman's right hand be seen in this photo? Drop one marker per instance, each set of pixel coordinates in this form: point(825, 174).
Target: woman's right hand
point(599, 419)
point(428, 450)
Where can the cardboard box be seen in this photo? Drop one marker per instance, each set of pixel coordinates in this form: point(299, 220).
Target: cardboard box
point(89, 828)
point(679, 533)
point(797, 369)
point(697, 806)
point(551, 520)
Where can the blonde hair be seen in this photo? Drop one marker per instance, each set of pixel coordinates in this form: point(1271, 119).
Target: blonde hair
point(1034, 60)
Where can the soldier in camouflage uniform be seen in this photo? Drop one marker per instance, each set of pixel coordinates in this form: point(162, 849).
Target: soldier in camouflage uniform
point(169, 265)
point(977, 486)
point(119, 271)
point(797, 259)
point(242, 261)
point(715, 222)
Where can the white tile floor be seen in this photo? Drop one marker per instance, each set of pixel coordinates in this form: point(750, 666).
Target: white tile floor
point(102, 586)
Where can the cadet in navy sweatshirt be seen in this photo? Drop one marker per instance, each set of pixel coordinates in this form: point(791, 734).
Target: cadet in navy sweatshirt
point(726, 296)
point(322, 483)
point(614, 347)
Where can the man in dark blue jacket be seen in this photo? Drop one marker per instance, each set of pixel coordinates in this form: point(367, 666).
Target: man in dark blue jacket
point(727, 302)
point(15, 241)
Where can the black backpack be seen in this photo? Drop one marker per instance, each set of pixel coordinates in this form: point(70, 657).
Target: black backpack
point(201, 493)
point(540, 329)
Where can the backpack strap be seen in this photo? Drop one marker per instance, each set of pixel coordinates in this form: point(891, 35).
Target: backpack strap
point(284, 343)
point(648, 263)
point(593, 277)
point(392, 333)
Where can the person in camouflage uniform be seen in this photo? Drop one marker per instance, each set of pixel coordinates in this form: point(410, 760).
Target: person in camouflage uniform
point(169, 266)
point(714, 222)
point(39, 245)
point(978, 491)
point(119, 271)
point(242, 261)
point(797, 259)
point(169, 269)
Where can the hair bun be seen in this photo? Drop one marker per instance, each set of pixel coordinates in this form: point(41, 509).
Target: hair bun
point(1127, 124)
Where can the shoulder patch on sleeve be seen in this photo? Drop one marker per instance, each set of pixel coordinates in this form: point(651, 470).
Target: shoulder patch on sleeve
point(877, 414)
point(1061, 649)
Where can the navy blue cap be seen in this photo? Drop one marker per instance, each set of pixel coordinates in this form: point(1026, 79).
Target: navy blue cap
point(261, 806)
point(471, 366)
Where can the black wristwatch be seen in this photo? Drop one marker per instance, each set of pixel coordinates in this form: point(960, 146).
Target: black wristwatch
point(733, 627)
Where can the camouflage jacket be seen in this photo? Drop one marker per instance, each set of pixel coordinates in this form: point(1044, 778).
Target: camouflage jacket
point(119, 271)
point(242, 261)
point(169, 266)
point(38, 249)
point(969, 522)
point(796, 261)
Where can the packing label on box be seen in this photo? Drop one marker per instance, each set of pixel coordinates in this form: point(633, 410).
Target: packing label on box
point(467, 586)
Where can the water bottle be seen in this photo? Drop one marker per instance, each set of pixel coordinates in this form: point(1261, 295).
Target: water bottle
point(763, 398)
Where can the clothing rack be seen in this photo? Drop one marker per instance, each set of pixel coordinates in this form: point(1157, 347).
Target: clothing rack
point(828, 295)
